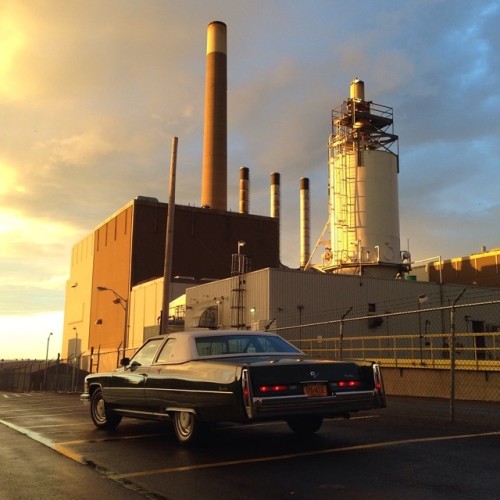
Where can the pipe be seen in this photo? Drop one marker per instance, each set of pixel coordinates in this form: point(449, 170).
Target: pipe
point(214, 170)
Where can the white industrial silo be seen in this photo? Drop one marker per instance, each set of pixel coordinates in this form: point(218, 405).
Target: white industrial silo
point(363, 189)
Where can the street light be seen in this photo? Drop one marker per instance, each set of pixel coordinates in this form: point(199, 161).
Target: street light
point(124, 303)
point(46, 361)
point(76, 341)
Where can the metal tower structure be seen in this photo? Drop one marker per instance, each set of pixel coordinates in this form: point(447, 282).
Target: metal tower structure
point(363, 162)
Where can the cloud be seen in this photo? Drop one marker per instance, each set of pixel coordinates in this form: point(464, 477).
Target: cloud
point(91, 95)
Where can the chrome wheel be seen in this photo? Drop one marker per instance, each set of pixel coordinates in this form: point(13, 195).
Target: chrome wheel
point(102, 418)
point(100, 411)
point(186, 426)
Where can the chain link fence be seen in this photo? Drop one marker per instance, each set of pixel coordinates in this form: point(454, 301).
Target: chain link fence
point(450, 352)
point(405, 339)
point(61, 375)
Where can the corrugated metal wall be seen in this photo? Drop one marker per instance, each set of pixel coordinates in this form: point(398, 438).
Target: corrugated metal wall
point(294, 298)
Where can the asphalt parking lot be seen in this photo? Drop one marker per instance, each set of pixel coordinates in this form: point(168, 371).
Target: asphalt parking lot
point(409, 450)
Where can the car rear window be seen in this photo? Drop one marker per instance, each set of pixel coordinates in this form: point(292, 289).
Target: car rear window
point(242, 344)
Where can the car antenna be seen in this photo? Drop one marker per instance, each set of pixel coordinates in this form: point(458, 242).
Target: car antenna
point(269, 324)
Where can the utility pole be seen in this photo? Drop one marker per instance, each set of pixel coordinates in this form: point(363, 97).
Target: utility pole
point(169, 242)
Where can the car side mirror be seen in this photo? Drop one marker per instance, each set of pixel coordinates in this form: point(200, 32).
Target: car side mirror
point(125, 361)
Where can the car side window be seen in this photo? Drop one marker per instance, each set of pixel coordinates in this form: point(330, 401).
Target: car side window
point(147, 352)
point(167, 353)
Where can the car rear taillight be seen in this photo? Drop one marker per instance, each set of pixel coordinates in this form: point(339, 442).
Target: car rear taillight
point(349, 383)
point(266, 389)
point(379, 384)
point(247, 393)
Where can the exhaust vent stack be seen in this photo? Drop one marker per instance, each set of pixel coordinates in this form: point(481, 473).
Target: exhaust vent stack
point(275, 195)
point(304, 222)
point(244, 190)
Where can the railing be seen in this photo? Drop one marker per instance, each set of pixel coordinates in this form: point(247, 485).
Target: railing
point(479, 351)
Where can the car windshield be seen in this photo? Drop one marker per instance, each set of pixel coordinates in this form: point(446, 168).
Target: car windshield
point(146, 353)
point(243, 344)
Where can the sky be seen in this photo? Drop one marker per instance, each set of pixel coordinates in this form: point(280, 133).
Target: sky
point(92, 92)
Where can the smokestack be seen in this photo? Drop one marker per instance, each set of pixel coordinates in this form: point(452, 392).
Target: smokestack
point(214, 176)
point(275, 195)
point(304, 222)
point(244, 190)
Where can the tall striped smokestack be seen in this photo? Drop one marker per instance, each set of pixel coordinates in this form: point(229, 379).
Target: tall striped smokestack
point(214, 176)
point(304, 222)
point(244, 190)
point(275, 195)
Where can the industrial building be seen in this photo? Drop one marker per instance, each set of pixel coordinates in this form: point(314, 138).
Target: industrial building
point(477, 269)
point(228, 264)
point(128, 249)
point(288, 299)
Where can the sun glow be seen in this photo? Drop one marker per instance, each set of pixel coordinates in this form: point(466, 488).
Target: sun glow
point(20, 234)
point(12, 41)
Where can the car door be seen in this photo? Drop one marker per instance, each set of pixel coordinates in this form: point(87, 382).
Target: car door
point(129, 384)
point(206, 386)
point(162, 383)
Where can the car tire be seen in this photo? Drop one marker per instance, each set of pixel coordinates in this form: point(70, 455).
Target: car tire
point(305, 426)
point(101, 416)
point(186, 427)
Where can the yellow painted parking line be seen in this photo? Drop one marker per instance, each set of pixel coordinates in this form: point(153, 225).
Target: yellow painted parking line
point(69, 453)
point(241, 428)
point(386, 444)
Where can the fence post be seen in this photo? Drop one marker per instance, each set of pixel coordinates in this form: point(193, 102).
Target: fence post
point(452, 357)
point(98, 359)
point(118, 354)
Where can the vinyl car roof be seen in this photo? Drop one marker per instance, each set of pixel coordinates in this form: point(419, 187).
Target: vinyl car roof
point(186, 350)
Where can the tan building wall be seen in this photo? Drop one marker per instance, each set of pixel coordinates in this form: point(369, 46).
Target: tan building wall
point(112, 269)
point(78, 299)
point(480, 269)
point(146, 303)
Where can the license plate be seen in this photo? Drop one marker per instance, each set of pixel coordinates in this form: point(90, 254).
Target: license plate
point(315, 390)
